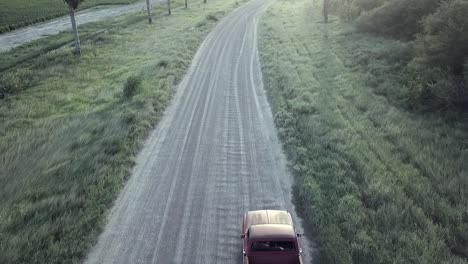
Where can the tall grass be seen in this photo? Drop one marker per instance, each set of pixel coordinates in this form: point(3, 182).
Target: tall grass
point(67, 139)
point(377, 184)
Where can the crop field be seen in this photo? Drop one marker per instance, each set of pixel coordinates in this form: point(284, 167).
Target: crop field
point(375, 182)
point(20, 13)
point(70, 130)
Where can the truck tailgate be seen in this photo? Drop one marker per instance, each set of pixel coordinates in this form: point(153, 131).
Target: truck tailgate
point(274, 259)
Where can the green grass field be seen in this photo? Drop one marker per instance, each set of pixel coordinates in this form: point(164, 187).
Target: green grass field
point(19, 13)
point(69, 136)
point(374, 182)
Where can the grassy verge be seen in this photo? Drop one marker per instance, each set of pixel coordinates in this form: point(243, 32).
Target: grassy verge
point(21, 13)
point(68, 138)
point(378, 184)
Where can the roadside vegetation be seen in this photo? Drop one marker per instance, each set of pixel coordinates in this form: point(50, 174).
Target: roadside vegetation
point(381, 175)
point(70, 126)
point(434, 35)
point(20, 13)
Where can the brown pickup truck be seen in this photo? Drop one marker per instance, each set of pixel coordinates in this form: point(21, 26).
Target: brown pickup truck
point(269, 237)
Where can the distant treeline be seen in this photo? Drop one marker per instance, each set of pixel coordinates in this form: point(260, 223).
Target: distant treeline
point(436, 34)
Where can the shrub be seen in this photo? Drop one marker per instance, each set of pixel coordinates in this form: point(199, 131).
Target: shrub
point(347, 10)
point(367, 5)
point(212, 17)
point(351, 9)
point(438, 73)
point(445, 39)
point(397, 18)
point(434, 88)
point(132, 86)
point(15, 82)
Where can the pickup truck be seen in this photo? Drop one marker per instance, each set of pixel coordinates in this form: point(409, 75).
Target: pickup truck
point(269, 237)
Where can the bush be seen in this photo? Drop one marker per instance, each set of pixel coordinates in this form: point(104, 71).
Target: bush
point(367, 5)
point(397, 18)
point(212, 17)
point(445, 40)
point(351, 9)
point(439, 70)
point(434, 88)
point(347, 10)
point(15, 82)
point(132, 86)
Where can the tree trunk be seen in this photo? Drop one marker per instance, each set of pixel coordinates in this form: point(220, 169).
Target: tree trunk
point(148, 8)
point(186, 4)
point(325, 10)
point(75, 31)
point(169, 6)
point(204, 1)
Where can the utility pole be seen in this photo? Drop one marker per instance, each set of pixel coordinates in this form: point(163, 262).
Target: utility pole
point(186, 4)
point(169, 6)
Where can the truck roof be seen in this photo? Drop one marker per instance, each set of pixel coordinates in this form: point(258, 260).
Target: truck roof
point(271, 232)
point(262, 217)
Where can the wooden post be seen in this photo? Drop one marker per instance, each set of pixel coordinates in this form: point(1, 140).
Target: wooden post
point(148, 8)
point(75, 31)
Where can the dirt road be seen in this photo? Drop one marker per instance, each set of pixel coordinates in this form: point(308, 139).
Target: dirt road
point(21, 36)
point(214, 156)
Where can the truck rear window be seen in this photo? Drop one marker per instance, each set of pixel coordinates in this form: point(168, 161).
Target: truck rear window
point(273, 246)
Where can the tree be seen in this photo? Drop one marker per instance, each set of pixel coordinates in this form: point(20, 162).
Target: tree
point(169, 6)
point(150, 20)
point(72, 6)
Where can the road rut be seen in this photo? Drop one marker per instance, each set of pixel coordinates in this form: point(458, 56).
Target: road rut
point(214, 155)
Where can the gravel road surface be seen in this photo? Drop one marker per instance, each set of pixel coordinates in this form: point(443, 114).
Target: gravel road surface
point(24, 35)
point(214, 156)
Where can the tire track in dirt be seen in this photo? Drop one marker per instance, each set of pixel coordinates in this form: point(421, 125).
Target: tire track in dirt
point(214, 155)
